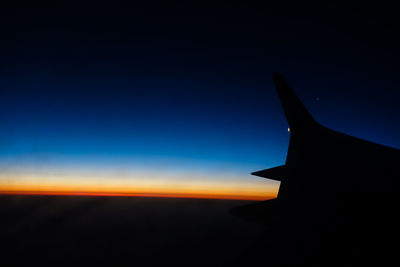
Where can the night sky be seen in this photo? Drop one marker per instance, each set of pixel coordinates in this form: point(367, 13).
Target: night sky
point(175, 99)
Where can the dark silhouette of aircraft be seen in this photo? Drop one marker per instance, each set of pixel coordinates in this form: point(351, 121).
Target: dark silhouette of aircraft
point(338, 199)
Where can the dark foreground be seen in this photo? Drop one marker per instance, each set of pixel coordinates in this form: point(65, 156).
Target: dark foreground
point(124, 231)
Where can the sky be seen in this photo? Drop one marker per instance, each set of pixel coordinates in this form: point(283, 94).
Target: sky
point(175, 99)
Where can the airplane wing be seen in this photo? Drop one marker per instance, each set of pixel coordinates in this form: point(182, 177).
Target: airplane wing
point(335, 189)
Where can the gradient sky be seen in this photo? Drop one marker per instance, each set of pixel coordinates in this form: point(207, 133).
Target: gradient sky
point(176, 99)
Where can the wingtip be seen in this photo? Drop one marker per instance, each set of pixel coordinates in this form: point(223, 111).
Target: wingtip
point(279, 80)
point(296, 113)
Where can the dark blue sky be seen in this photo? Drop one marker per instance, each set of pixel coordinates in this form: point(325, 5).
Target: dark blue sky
point(191, 82)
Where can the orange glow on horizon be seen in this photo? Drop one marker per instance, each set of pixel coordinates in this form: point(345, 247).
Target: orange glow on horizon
point(158, 195)
point(141, 184)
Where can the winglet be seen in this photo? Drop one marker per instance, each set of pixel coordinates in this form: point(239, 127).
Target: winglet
point(296, 114)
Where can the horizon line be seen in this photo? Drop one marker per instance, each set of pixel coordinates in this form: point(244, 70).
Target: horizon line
point(120, 194)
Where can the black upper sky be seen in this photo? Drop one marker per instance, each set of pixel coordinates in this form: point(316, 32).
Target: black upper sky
point(194, 75)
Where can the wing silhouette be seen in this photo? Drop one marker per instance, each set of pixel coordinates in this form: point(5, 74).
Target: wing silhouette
point(335, 189)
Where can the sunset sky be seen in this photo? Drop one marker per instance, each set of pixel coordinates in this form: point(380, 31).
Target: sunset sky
point(134, 179)
point(114, 101)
